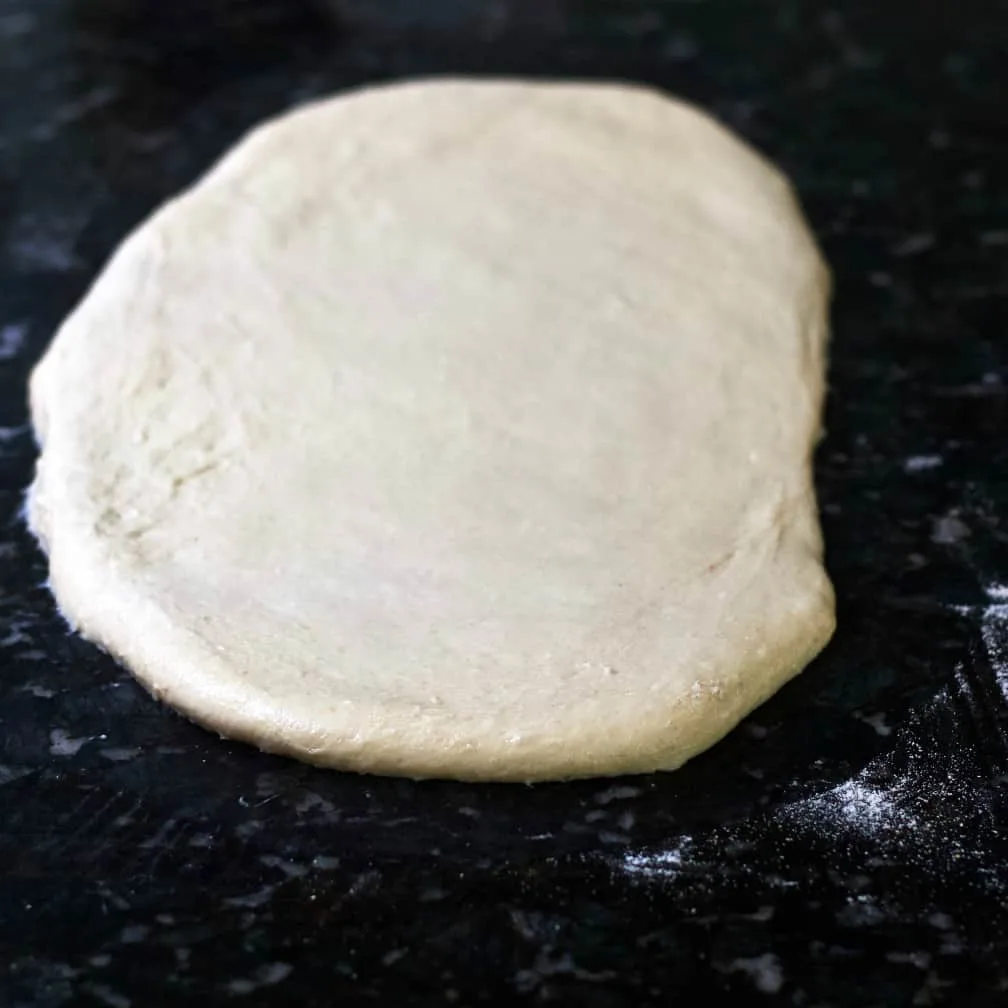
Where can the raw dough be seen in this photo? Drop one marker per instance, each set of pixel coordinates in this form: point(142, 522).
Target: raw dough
point(452, 429)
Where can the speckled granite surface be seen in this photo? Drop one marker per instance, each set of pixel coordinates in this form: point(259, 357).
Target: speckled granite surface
point(844, 847)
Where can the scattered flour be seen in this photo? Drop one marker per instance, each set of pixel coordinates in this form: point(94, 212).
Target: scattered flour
point(993, 619)
point(659, 864)
point(856, 805)
point(994, 631)
point(915, 802)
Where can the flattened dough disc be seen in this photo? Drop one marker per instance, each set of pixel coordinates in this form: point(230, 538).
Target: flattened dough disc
point(452, 429)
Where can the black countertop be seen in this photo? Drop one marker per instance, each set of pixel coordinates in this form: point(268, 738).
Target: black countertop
point(845, 846)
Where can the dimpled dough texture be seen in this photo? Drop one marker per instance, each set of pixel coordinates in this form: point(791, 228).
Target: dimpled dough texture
point(452, 429)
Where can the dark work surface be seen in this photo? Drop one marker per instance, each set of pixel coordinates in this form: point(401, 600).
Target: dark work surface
point(843, 847)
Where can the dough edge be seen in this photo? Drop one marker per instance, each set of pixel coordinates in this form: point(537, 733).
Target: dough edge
point(175, 666)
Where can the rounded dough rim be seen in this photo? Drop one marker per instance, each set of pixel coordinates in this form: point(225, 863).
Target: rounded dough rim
point(172, 662)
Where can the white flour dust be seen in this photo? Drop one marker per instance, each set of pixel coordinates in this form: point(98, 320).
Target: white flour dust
point(658, 864)
point(993, 619)
point(856, 806)
point(881, 805)
point(910, 802)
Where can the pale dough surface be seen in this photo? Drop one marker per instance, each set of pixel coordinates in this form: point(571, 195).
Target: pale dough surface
point(452, 429)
